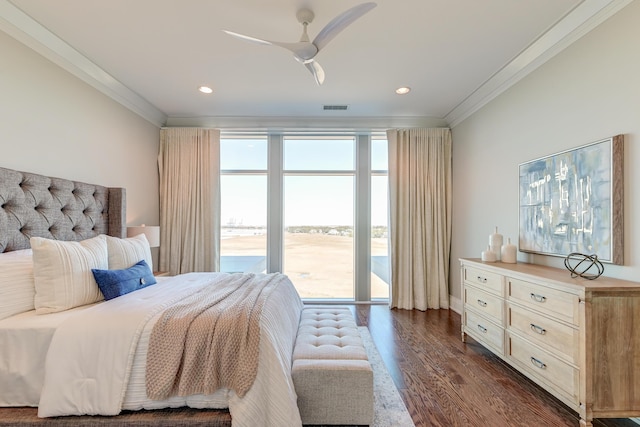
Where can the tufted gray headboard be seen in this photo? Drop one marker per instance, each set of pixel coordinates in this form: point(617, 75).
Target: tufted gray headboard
point(36, 205)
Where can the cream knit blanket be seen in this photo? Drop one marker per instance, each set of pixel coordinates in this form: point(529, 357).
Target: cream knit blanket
point(209, 340)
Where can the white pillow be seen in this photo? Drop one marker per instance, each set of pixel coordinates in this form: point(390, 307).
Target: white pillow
point(62, 272)
point(123, 253)
point(17, 287)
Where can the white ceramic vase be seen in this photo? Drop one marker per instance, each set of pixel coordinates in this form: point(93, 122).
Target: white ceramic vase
point(495, 243)
point(488, 255)
point(509, 253)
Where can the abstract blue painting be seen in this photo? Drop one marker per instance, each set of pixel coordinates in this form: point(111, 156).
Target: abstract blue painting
point(572, 202)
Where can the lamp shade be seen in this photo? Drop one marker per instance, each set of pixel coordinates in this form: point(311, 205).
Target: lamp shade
point(152, 233)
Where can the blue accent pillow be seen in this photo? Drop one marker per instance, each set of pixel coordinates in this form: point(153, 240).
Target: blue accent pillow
point(114, 283)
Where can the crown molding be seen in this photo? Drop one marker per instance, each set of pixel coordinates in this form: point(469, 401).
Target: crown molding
point(277, 123)
point(26, 30)
point(575, 24)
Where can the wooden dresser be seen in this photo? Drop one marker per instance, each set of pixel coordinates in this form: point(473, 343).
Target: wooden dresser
point(578, 339)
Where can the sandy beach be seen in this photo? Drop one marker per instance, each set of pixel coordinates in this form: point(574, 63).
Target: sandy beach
point(319, 265)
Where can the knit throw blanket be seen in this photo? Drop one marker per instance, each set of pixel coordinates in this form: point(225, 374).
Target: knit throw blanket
point(210, 339)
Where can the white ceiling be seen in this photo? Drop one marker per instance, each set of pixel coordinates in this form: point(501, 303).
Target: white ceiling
point(152, 55)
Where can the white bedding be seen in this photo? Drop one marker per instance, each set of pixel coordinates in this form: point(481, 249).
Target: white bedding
point(24, 340)
point(96, 359)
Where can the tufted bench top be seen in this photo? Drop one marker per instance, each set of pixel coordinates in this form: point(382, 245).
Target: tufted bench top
point(328, 333)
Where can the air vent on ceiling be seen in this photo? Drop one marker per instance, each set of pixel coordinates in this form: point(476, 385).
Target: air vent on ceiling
point(335, 107)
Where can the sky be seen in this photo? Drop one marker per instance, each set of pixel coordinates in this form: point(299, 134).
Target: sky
point(308, 199)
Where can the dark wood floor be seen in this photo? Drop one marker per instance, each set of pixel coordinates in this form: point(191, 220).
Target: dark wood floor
point(445, 382)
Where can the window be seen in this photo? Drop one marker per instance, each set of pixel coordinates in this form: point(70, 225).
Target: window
point(243, 210)
point(318, 216)
point(298, 204)
point(380, 273)
point(313, 154)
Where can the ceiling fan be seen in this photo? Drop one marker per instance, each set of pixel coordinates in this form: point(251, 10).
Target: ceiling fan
point(305, 51)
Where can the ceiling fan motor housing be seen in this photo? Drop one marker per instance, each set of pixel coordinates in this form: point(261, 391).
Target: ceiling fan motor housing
point(305, 16)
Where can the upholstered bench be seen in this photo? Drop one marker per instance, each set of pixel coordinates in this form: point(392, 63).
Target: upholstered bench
point(331, 373)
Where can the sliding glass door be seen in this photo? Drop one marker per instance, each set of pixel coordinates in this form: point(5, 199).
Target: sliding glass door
point(311, 206)
point(318, 216)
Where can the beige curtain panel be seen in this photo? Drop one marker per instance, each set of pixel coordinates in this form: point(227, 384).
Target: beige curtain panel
point(420, 217)
point(189, 166)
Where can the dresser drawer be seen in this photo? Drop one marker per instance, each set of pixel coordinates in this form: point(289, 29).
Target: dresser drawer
point(483, 302)
point(484, 331)
point(491, 282)
point(559, 338)
point(540, 364)
point(559, 304)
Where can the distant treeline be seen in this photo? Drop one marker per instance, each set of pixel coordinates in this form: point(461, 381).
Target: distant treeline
point(339, 230)
point(377, 231)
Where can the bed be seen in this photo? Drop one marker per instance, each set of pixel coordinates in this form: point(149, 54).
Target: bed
point(66, 350)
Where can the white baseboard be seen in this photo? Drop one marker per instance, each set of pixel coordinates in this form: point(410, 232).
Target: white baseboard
point(455, 304)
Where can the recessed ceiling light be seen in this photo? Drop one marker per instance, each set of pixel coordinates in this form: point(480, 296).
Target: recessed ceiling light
point(403, 90)
point(205, 89)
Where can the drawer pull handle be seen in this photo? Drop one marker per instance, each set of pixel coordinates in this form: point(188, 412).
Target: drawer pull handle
point(482, 279)
point(538, 298)
point(482, 329)
point(538, 363)
point(538, 329)
point(482, 303)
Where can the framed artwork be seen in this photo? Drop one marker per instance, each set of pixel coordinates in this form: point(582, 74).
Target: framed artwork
point(573, 202)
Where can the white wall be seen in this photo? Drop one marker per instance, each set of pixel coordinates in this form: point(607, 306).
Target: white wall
point(54, 124)
point(588, 92)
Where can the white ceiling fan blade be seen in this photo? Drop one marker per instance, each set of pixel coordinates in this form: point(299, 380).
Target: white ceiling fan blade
point(316, 70)
point(248, 38)
point(341, 22)
point(303, 51)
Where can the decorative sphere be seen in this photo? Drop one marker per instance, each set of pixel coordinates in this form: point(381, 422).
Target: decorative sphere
point(585, 266)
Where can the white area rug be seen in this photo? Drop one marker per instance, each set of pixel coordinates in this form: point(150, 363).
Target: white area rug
point(389, 407)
